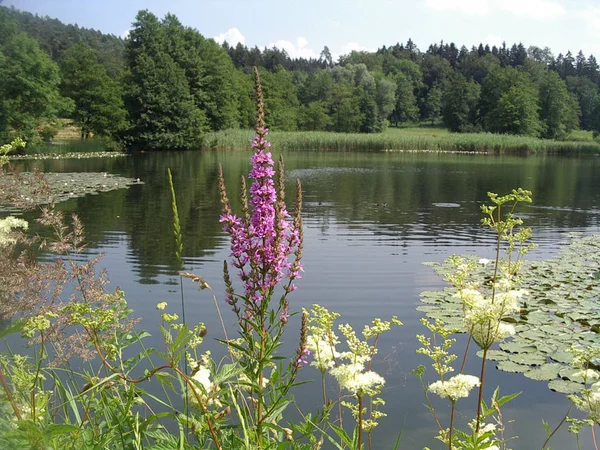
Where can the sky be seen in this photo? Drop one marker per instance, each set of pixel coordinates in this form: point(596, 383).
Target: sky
point(304, 27)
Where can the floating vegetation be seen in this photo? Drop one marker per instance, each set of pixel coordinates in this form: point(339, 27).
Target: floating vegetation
point(561, 310)
point(72, 155)
point(57, 187)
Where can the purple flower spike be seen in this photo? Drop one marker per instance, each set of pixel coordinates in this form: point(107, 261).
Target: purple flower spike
point(263, 239)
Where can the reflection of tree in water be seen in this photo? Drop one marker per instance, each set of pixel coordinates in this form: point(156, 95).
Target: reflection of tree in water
point(348, 187)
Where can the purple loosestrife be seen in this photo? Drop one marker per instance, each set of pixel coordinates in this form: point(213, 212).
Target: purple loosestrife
point(263, 238)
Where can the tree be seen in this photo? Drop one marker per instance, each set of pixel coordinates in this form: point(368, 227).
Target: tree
point(509, 102)
point(161, 108)
point(385, 97)
point(433, 103)
point(29, 95)
point(314, 117)
point(281, 100)
point(459, 103)
point(99, 107)
point(325, 58)
point(559, 111)
point(588, 96)
point(406, 109)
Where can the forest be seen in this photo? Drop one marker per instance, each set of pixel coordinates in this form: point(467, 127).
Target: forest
point(166, 86)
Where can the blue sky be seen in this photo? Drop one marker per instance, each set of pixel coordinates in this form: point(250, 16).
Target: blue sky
point(303, 27)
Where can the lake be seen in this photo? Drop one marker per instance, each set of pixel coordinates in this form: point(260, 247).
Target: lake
point(361, 259)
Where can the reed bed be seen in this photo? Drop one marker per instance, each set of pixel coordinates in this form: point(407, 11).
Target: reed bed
point(403, 139)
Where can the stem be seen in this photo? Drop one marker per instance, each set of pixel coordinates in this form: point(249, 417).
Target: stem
point(557, 427)
point(452, 425)
point(222, 324)
point(430, 404)
point(204, 411)
point(323, 388)
point(594, 438)
point(37, 374)
point(358, 447)
point(480, 398)
point(462, 367)
point(9, 395)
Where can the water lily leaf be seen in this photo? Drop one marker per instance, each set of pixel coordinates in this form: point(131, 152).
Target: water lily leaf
point(509, 366)
point(517, 347)
point(545, 372)
point(565, 386)
point(545, 347)
point(531, 359)
point(494, 355)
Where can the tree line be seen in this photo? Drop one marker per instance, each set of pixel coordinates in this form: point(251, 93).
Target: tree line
point(165, 86)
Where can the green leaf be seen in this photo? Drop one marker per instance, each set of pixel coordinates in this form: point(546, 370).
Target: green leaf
point(545, 372)
point(565, 386)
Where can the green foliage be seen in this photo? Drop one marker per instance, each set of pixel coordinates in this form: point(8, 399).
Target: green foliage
point(559, 110)
point(29, 94)
point(99, 107)
point(459, 103)
point(160, 104)
point(509, 102)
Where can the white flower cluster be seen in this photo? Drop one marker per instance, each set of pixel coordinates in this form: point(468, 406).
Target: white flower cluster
point(324, 354)
point(354, 379)
point(202, 388)
point(456, 387)
point(6, 226)
point(483, 316)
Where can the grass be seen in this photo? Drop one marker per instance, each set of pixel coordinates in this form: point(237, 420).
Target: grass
point(406, 139)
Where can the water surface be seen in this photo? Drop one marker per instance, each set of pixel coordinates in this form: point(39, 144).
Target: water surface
point(370, 221)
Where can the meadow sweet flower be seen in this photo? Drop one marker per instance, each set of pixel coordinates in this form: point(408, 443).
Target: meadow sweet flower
point(324, 353)
point(353, 378)
point(202, 388)
point(456, 387)
point(7, 225)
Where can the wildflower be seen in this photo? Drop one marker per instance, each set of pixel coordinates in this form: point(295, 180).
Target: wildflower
point(303, 360)
point(484, 261)
point(587, 374)
point(456, 387)
point(6, 226)
point(161, 306)
point(262, 239)
point(352, 378)
point(325, 354)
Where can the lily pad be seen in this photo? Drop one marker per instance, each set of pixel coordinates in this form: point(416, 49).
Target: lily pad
point(517, 347)
point(565, 386)
point(510, 366)
point(531, 359)
point(29, 187)
point(545, 372)
point(494, 355)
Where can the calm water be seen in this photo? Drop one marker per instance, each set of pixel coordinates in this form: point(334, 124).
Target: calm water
point(361, 259)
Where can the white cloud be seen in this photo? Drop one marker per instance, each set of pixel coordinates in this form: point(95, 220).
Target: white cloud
point(354, 47)
point(298, 50)
point(233, 36)
point(475, 7)
point(531, 9)
point(125, 34)
point(592, 18)
point(492, 39)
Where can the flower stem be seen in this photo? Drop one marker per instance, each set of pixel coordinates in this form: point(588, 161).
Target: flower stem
point(480, 398)
point(452, 426)
point(358, 446)
point(557, 427)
